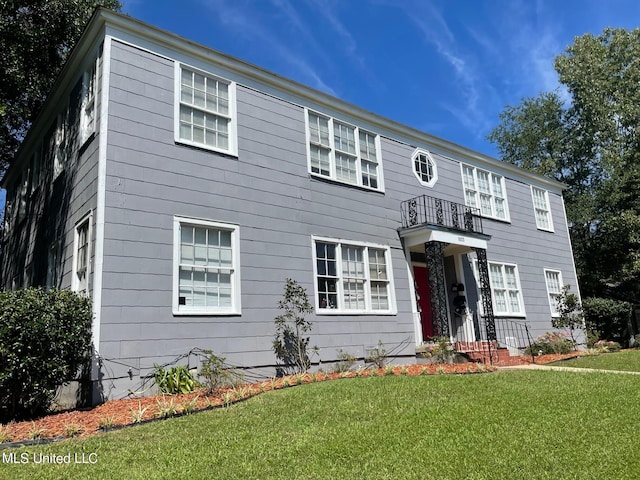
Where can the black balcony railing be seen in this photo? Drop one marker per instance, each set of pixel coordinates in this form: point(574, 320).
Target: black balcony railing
point(425, 210)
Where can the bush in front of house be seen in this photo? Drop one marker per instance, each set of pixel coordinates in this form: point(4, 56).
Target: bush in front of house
point(551, 343)
point(608, 319)
point(45, 338)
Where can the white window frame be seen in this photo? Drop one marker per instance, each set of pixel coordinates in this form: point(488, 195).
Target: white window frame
point(87, 221)
point(429, 159)
point(231, 116)
point(544, 211)
point(235, 308)
point(88, 109)
point(508, 314)
point(493, 196)
point(552, 296)
point(360, 160)
point(60, 141)
point(339, 309)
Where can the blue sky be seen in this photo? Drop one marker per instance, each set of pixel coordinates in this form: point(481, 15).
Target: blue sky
point(447, 67)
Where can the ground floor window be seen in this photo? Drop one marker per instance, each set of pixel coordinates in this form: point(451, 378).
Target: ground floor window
point(206, 267)
point(553, 279)
point(81, 258)
point(352, 277)
point(506, 293)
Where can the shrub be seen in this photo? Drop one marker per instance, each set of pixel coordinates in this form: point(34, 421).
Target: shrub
point(440, 350)
point(611, 319)
point(570, 313)
point(344, 363)
point(215, 373)
point(176, 380)
point(377, 356)
point(549, 343)
point(606, 346)
point(291, 345)
point(45, 339)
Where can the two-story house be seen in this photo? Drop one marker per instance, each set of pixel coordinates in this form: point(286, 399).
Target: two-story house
point(179, 187)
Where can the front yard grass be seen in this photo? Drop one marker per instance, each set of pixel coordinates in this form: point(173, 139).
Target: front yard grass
point(626, 361)
point(517, 424)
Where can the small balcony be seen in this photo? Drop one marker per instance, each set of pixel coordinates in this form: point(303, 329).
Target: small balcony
point(435, 212)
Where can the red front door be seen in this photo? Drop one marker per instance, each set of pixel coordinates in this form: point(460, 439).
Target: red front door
point(424, 302)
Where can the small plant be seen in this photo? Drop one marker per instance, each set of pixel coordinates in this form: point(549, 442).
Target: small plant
point(34, 432)
point(480, 368)
point(441, 370)
point(291, 344)
point(377, 356)
point(137, 415)
point(424, 371)
point(176, 380)
point(165, 409)
point(569, 314)
point(388, 370)
point(72, 430)
point(190, 406)
point(344, 363)
point(404, 370)
point(286, 382)
point(227, 398)
point(106, 422)
point(5, 436)
point(273, 383)
point(215, 373)
point(299, 378)
point(360, 372)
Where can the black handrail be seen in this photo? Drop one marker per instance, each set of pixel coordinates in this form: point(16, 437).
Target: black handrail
point(426, 210)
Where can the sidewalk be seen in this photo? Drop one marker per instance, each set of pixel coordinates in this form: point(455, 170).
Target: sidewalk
point(563, 369)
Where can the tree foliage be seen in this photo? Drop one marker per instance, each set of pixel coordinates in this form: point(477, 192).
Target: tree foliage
point(591, 142)
point(35, 39)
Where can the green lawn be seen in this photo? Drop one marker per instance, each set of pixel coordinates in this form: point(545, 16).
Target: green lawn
point(627, 361)
point(508, 425)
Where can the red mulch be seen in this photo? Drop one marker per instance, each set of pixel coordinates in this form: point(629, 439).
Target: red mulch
point(116, 413)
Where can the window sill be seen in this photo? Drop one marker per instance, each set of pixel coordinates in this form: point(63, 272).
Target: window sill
point(206, 313)
point(332, 312)
point(206, 148)
point(323, 178)
point(510, 315)
point(547, 230)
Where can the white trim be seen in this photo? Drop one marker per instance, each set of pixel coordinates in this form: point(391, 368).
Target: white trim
point(548, 205)
point(434, 167)
point(105, 72)
point(232, 115)
point(88, 219)
point(415, 313)
point(392, 310)
point(421, 235)
point(555, 314)
point(236, 307)
point(573, 261)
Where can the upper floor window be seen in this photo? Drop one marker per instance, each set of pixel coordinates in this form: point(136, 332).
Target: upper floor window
point(81, 256)
point(542, 209)
point(88, 109)
point(60, 143)
point(205, 111)
point(343, 152)
point(553, 279)
point(206, 267)
point(424, 168)
point(486, 191)
point(352, 277)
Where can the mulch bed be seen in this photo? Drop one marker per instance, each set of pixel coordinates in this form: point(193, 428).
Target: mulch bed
point(119, 413)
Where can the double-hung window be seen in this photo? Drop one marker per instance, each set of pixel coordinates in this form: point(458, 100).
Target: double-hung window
point(60, 143)
point(542, 209)
point(553, 279)
point(206, 267)
point(82, 255)
point(205, 111)
point(343, 152)
point(486, 191)
point(352, 277)
point(506, 293)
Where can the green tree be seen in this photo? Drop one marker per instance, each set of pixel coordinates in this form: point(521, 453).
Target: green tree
point(591, 142)
point(35, 39)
